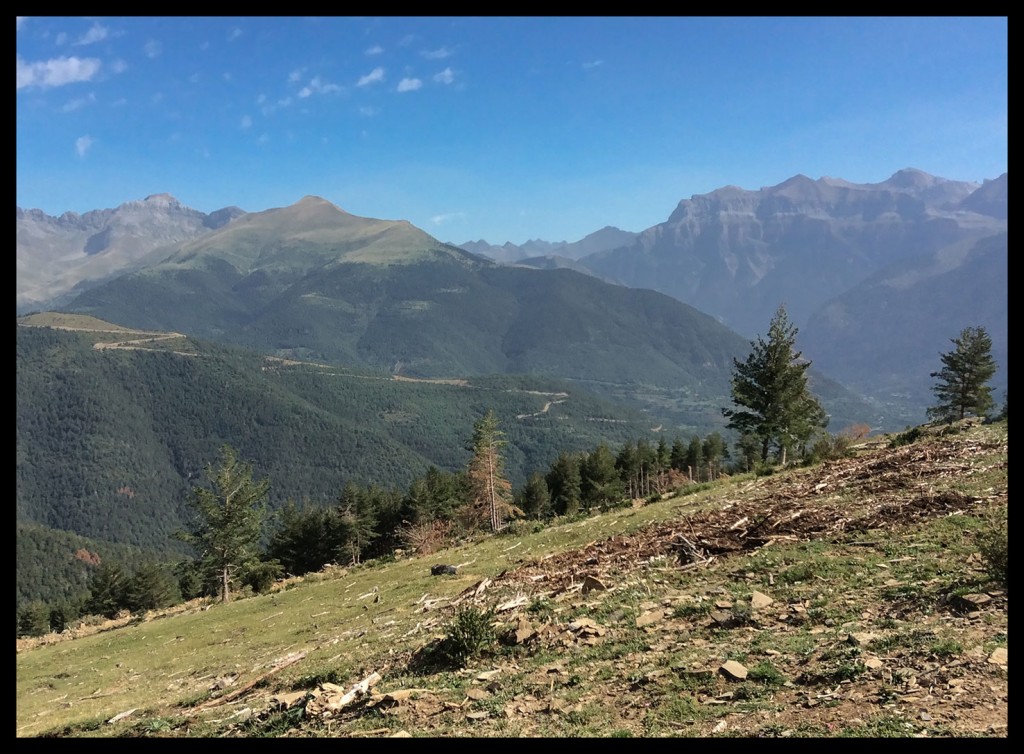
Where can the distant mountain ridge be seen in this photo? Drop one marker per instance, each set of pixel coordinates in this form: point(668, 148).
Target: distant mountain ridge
point(58, 256)
point(736, 254)
point(604, 239)
point(311, 281)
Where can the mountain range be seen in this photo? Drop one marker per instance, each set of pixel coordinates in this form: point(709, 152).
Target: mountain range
point(879, 276)
point(58, 256)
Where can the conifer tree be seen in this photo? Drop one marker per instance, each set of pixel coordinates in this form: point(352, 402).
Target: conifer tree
point(770, 392)
point(490, 496)
point(563, 480)
point(961, 387)
point(231, 515)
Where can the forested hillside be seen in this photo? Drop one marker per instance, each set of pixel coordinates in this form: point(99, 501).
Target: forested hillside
point(110, 441)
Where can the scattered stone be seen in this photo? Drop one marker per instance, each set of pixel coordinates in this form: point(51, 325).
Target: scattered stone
point(401, 734)
point(860, 638)
point(121, 716)
point(998, 656)
point(652, 616)
point(524, 632)
point(288, 700)
point(873, 663)
point(724, 604)
point(926, 717)
point(734, 670)
point(479, 715)
point(443, 570)
point(760, 600)
point(487, 675)
point(721, 617)
point(477, 694)
point(593, 584)
point(696, 674)
point(973, 601)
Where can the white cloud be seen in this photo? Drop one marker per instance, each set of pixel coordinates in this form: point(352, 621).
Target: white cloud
point(592, 64)
point(441, 219)
point(82, 144)
point(152, 48)
point(377, 74)
point(409, 85)
point(264, 138)
point(295, 76)
point(96, 33)
point(439, 54)
point(61, 38)
point(318, 86)
point(119, 66)
point(446, 76)
point(194, 78)
point(77, 103)
point(368, 111)
point(234, 34)
point(55, 72)
point(246, 121)
point(20, 20)
point(375, 50)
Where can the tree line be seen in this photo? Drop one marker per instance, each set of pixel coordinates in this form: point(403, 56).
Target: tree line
point(239, 546)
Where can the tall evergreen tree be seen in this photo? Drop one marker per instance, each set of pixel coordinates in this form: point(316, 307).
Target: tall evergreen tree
point(714, 451)
point(961, 387)
point(491, 498)
point(695, 457)
point(600, 483)
point(535, 498)
point(769, 391)
point(108, 591)
point(677, 457)
point(230, 521)
point(151, 588)
point(563, 480)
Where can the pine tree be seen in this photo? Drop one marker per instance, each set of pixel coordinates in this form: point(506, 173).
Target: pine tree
point(961, 388)
point(230, 520)
point(600, 483)
point(108, 591)
point(490, 499)
point(770, 392)
point(535, 498)
point(563, 480)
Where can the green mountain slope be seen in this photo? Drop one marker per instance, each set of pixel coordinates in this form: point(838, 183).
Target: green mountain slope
point(310, 281)
point(111, 440)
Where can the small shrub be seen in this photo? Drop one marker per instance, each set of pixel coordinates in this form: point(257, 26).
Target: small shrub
point(767, 674)
point(830, 448)
point(261, 575)
point(993, 545)
point(470, 631)
point(428, 537)
point(911, 435)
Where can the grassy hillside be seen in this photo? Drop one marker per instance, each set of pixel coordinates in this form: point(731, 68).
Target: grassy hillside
point(849, 599)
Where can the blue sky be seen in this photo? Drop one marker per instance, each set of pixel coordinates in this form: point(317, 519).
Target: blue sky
point(503, 129)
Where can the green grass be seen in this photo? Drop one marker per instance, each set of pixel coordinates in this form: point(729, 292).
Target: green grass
point(657, 681)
